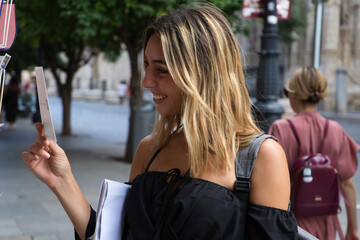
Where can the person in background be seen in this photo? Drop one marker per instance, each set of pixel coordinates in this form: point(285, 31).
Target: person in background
point(183, 174)
point(305, 89)
point(122, 90)
point(11, 105)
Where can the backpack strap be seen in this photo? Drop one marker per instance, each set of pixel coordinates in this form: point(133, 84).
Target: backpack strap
point(293, 129)
point(245, 159)
point(292, 126)
point(325, 133)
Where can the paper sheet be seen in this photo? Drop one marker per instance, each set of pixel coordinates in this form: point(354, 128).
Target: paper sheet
point(49, 131)
point(110, 214)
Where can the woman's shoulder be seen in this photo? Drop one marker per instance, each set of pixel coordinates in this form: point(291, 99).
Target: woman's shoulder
point(270, 181)
point(143, 154)
point(278, 126)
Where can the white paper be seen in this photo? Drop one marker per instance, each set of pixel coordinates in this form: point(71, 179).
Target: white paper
point(110, 214)
point(49, 131)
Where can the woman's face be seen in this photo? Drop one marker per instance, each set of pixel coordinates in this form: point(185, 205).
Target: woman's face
point(166, 95)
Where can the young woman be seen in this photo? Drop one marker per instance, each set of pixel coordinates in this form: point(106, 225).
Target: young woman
point(305, 89)
point(183, 174)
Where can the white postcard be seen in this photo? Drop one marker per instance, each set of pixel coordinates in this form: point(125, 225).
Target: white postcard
point(49, 131)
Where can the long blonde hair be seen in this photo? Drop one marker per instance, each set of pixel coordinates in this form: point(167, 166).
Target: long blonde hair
point(203, 59)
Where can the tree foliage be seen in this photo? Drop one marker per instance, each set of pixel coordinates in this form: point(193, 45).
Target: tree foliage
point(62, 32)
point(296, 23)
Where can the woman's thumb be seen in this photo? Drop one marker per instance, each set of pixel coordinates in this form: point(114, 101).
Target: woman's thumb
point(55, 148)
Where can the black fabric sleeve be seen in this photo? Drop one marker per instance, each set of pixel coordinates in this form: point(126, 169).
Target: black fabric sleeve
point(270, 223)
point(90, 229)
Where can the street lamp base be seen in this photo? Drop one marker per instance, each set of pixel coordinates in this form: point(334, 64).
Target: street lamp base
point(267, 112)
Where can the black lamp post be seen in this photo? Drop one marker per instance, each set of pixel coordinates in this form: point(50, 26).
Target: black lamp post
point(268, 84)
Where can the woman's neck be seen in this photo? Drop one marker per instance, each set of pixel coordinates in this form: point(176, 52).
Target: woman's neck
point(306, 108)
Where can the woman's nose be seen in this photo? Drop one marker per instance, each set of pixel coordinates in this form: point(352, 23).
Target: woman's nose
point(149, 80)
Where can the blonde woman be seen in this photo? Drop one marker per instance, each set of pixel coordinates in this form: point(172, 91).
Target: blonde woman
point(183, 174)
point(305, 89)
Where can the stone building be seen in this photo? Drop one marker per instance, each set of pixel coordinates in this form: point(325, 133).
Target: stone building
point(340, 48)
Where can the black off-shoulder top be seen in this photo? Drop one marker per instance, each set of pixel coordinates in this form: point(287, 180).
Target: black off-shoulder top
point(165, 205)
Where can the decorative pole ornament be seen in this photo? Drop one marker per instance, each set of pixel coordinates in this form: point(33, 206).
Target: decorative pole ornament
point(7, 24)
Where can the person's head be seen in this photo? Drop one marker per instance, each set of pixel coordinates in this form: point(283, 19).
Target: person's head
point(193, 67)
point(308, 85)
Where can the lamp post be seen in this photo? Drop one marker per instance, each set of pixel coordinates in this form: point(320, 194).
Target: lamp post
point(318, 26)
point(267, 108)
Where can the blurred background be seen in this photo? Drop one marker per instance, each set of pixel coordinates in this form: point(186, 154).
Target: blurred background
point(92, 56)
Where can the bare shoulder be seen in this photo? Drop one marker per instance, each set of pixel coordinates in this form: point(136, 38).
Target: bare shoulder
point(142, 157)
point(270, 181)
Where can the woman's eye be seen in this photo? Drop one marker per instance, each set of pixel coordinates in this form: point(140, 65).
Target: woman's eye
point(162, 70)
point(146, 64)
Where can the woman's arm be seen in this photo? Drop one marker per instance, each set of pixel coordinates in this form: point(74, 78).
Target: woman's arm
point(270, 180)
point(50, 164)
point(348, 189)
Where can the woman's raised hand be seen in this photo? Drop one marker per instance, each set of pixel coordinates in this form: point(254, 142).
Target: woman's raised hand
point(47, 160)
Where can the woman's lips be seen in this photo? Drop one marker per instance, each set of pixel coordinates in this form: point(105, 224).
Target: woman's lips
point(159, 98)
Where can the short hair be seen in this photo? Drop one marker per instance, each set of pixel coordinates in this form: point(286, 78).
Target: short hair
point(204, 61)
point(308, 84)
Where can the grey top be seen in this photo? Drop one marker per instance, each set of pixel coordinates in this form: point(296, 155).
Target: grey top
point(245, 157)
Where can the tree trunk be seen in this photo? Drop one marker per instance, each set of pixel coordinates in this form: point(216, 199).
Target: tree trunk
point(66, 102)
point(135, 95)
point(65, 94)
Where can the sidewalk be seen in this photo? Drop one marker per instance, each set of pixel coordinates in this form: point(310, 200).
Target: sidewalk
point(28, 209)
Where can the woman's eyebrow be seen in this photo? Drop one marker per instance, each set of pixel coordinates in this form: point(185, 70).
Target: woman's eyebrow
point(159, 61)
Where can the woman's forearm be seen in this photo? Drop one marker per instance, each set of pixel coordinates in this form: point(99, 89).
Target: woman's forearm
point(348, 189)
point(75, 204)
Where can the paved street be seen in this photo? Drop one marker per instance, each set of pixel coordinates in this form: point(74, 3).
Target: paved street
point(28, 210)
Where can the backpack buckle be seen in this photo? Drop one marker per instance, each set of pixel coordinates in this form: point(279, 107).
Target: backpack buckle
point(242, 186)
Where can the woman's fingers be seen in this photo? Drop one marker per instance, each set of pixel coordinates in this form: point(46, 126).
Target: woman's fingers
point(28, 156)
point(39, 150)
point(39, 129)
point(54, 148)
point(42, 141)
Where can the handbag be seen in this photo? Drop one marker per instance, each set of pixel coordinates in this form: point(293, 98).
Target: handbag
point(245, 160)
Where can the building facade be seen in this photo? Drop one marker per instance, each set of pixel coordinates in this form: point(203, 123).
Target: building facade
point(340, 49)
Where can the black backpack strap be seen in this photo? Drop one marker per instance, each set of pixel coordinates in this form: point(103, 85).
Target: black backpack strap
point(245, 159)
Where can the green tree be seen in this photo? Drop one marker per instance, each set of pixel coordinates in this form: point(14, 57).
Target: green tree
point(62, 31)
point(295, 24)
point(28, 53)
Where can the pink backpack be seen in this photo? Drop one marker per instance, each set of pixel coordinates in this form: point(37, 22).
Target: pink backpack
point(316, 184)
